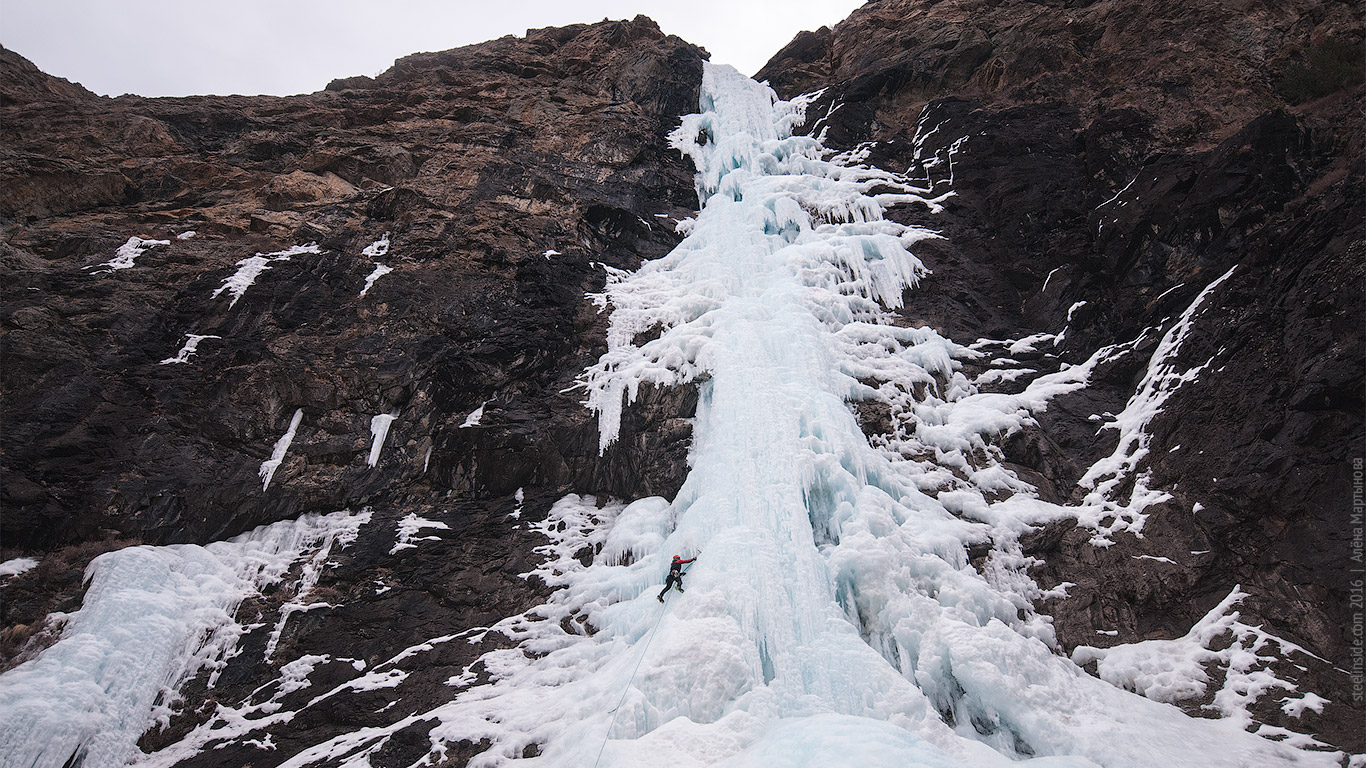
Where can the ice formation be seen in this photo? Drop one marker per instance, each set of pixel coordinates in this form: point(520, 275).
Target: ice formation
point(341, 534)
point(1175, 670)
point(1103, 478)
point(128, 253)
point(409, 528)
point(277, 455)
point(475, 416)
point(17, 566)
point(377, 248)
point(191, 346)
point(250, 268)
point(379, 429)
point(152, 618)
point(833, 614)
point(379, 271)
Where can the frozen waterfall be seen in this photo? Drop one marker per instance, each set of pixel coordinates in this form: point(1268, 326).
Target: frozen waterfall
point(832, 617)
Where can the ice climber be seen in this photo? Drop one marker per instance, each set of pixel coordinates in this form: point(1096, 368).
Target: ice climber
point(675, 579)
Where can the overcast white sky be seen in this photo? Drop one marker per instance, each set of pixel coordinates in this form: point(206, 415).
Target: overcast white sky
point(183, 47)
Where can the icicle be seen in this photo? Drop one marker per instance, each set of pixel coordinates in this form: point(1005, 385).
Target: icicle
point(379, 429)
point(277, 455)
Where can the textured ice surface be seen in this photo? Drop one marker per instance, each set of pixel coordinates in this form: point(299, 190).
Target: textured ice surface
point(277, 455)
point(833, 616)
point(151, 618)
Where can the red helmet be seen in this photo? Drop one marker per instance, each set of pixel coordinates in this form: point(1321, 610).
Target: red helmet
point(676, 557)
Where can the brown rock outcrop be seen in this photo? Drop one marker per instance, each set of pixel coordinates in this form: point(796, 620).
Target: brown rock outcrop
point(501, 176)
point(1198, 71)
point(474, 161)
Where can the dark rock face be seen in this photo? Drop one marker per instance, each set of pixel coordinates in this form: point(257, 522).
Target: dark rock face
point(1126, 156)
point(1120, 155)
point(474, 161)
point(503, 175)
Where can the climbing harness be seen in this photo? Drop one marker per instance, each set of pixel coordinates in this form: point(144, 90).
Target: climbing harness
point(678, 585)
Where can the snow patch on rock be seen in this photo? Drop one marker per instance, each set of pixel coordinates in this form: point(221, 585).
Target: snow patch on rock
point(128, 253)
point(250, 268)
point(1173, 671)
point(191, 346)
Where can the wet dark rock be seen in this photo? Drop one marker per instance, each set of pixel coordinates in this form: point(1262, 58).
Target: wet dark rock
point(1126, 157)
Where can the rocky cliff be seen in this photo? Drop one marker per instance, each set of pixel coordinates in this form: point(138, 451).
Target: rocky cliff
point(1110, 161)
point(497, 182)
point(187, 281)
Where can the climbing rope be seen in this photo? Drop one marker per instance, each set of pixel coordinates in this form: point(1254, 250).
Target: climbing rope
point(644, 646)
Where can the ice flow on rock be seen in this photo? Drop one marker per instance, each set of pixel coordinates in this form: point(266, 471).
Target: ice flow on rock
point(152, 618)
point(832, 617)
point(833, 609)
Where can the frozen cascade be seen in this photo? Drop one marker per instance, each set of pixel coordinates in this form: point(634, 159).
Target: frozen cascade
point(833, 611)
point(152, 618)
point(833, 617)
